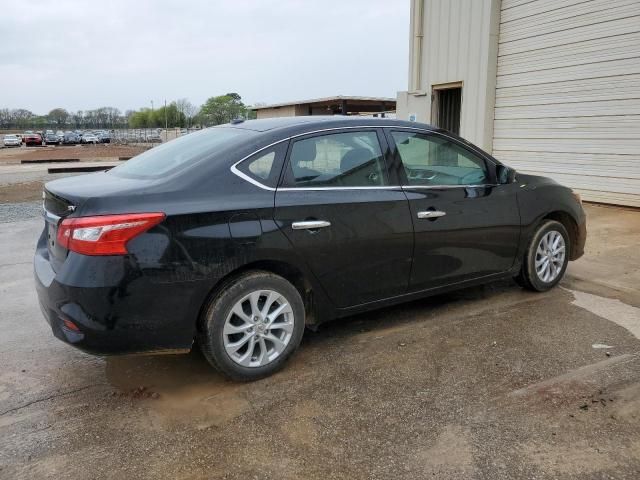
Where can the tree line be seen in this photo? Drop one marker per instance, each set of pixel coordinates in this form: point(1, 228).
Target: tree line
point(179, 113)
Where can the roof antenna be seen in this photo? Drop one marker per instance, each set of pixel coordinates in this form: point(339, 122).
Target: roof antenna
point(236, 121)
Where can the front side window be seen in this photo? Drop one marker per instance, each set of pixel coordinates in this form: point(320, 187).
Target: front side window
point(352, 159)
point(429, 160)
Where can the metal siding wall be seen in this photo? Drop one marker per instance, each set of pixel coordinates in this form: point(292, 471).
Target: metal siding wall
point(568, 94)
point(458, 46)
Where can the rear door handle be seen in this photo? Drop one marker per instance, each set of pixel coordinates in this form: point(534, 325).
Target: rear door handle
point(310, 225)
point(431, 214)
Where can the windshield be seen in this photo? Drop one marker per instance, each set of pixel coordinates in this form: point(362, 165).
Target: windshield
point(178, 154)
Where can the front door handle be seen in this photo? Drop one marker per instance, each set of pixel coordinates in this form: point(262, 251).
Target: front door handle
point(431, 214)
point(310, 225)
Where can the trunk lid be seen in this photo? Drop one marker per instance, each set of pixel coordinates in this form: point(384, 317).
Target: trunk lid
point(66, 197)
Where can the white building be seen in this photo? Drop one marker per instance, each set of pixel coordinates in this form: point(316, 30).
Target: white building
point(550, 87)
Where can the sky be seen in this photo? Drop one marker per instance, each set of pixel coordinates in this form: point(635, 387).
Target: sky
point(81, 55)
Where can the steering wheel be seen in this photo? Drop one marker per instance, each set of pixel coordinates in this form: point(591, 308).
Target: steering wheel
point(473, 178)
point(423, 175)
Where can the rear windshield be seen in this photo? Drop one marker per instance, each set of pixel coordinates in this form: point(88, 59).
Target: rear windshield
point(181, 152)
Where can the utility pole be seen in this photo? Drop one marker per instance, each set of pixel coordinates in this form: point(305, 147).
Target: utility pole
point(165, 116)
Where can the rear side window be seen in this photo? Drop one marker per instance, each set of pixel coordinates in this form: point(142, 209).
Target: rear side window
point(182, 152)
point(352, 159)
point(266, 165)
point(429, 160)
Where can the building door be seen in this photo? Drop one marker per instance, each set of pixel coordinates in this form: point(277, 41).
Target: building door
point(446, 103)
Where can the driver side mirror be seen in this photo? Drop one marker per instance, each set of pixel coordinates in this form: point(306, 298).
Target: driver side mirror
point(505, 174)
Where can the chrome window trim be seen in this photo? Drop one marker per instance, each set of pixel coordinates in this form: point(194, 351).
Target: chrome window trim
point(442, 187)
point(380, 187)
point(235, 171)
point(256, 183)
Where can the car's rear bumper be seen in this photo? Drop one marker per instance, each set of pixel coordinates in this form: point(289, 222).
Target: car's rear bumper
point(115, 307)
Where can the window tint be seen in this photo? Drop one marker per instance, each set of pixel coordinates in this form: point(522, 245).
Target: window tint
point(265, 166)
point(261, 166)
point(351, 159)
point(431, 160)
point(181, 152)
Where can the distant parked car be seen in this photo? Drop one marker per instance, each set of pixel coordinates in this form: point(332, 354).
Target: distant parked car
point(89, 138)
point(71, 138)
point(12, 141)
point(104, 137)
point(51, 138)
point(154, 137)
point(32, 139)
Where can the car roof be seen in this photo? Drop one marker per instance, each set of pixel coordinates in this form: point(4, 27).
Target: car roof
point(312, 122)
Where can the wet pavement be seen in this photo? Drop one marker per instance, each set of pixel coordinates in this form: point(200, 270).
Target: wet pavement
point(489, 382)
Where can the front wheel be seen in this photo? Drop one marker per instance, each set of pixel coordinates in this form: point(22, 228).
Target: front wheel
point(252, 326)
point(546, 258)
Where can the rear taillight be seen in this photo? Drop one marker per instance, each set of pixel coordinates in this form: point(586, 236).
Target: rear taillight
point(105, 234)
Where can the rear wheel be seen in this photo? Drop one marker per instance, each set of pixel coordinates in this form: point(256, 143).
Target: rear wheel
point(546, 258)
point(252, 326)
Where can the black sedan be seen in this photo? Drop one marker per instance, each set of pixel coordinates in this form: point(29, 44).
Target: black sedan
point(71, 138)
point(51, 139)
point(239, 236)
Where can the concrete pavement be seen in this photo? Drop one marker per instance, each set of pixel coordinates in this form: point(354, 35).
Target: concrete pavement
point(489, 382)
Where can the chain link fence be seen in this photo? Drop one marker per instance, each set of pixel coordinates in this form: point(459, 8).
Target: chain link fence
point(147, 135)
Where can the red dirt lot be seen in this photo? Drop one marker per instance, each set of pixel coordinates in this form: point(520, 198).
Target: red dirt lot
point(83, 152)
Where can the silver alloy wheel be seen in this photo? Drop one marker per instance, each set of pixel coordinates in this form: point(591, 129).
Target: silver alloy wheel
point(550, 256)
point(258, 328)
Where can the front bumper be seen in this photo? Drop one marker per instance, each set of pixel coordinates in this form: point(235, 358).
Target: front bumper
point(115, 305)
point(580, 240)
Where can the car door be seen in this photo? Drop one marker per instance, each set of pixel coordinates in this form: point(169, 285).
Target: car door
point(343, 213)
point(466, 225)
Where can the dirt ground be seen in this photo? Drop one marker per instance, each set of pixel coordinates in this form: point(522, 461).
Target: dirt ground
point(83, 152)
point(24, 182)
point(490, 382)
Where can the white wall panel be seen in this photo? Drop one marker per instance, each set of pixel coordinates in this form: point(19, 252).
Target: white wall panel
point(459, 45)
point(568, 94)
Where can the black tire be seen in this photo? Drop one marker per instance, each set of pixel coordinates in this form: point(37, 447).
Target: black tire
point(211, 336)
point(528, 277)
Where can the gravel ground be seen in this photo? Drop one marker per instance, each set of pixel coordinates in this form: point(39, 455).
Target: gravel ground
point(13, 212)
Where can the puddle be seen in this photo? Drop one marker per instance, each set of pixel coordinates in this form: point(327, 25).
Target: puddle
point(179, 388)
point(613, 310)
